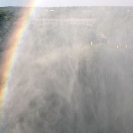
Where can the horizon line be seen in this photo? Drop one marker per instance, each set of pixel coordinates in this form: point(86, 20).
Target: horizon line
point(67, 6)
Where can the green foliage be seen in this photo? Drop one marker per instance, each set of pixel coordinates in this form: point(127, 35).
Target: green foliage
point(6, 22)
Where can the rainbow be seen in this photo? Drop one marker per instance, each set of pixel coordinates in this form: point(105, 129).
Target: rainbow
point(10, 56)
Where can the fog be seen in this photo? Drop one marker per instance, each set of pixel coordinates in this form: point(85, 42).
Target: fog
point(70, 78)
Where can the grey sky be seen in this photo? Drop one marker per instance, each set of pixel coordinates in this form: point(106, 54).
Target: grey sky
point(69, 3)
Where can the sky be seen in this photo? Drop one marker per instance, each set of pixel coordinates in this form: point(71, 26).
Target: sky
point(58, 3)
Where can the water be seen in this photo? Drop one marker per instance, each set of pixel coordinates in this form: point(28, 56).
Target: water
point(61, 83)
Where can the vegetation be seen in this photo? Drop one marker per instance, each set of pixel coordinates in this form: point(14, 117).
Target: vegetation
point(112, 25)
point(6, 23)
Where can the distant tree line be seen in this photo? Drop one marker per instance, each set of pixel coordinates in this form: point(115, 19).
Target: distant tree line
point(6, 23)
point(112, 26)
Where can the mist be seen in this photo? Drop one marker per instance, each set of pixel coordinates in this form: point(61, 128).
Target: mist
point(73, 74)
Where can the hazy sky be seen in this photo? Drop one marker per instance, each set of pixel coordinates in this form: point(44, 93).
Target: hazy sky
point(68, 2)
